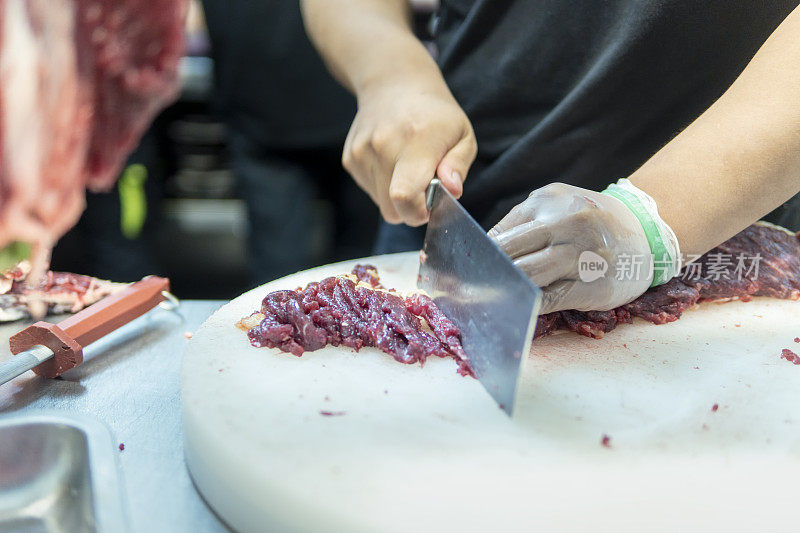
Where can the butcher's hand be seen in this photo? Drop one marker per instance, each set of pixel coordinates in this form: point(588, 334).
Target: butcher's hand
point(589, 250)
point(403, 135)
point(409, 128)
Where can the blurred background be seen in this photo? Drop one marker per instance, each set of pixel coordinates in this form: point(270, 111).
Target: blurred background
point(240, 181)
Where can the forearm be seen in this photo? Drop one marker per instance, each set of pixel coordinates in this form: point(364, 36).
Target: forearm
point(369, 42)
point(741, 158)
point(408, 127)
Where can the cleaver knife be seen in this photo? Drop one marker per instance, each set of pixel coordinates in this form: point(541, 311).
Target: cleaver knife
point(479, 288)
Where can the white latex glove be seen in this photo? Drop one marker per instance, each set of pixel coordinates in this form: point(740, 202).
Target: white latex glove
point(587, 250)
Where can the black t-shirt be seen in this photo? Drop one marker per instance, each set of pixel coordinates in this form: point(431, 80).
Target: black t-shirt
point(271, 85)
point(585, 91)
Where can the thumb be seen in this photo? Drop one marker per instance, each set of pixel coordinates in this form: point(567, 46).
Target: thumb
point(453, 168)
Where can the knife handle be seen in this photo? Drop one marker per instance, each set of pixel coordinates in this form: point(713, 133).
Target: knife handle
point(115, 310)
point(68, 338)
point(430, 192)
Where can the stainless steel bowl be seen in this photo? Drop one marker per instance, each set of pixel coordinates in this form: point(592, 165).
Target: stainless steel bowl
point(58, 473)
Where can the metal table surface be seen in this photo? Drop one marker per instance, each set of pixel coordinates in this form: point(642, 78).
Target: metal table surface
point(130, 380)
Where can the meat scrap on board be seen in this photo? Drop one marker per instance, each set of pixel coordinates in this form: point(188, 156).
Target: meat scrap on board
point(80, 81)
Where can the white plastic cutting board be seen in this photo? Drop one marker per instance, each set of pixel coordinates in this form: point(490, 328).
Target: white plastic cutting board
point(424, 449)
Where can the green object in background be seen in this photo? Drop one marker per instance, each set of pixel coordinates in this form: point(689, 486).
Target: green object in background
point(132, 200)
point(13, 254)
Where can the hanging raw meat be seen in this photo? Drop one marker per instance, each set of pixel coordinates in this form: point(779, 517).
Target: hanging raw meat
point(80, 81)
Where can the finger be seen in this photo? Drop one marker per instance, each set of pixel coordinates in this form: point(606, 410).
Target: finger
point(412, 174)
point(552, 264)
point(347, 149)
point(453, 168)
point(367, 179)
point(369, 171)
point(524, 239)
point(387, 209)
point(520, 214)
point(354, 155)
point(380, 173)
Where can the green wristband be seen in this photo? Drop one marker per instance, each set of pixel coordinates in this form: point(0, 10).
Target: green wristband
point(651, 230)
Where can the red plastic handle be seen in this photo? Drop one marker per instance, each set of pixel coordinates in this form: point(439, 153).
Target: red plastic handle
point(115, 311)
point(70, 336)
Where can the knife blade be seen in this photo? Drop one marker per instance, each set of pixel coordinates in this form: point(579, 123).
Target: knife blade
point(479, 288)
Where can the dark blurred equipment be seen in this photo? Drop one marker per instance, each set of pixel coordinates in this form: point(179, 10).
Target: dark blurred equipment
point(114, 238)
point(288, 120)
point(174, 211)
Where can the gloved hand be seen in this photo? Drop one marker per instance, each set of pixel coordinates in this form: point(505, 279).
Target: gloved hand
point(589, 250)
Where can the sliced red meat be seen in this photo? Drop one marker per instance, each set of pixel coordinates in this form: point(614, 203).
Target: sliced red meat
point(355, 312)
point(358, 311)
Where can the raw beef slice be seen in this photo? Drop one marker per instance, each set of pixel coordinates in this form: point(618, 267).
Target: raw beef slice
point(356, 310)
